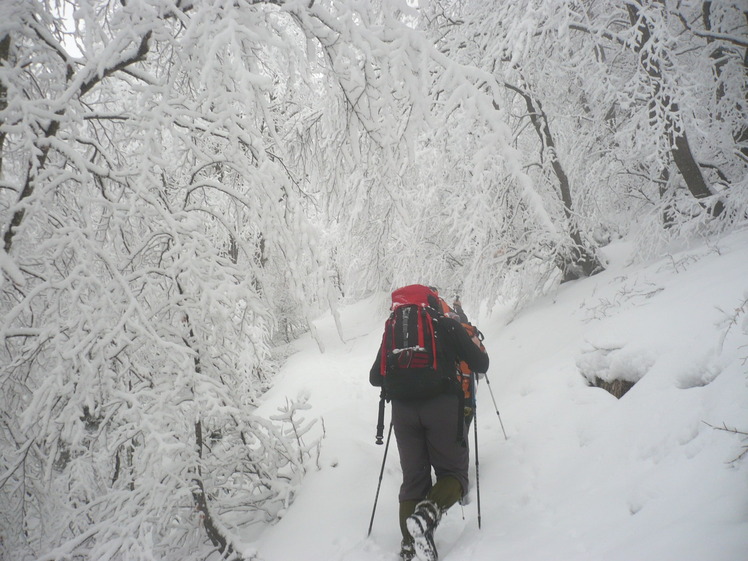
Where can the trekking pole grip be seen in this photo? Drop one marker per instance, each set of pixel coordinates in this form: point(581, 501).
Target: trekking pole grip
point(380, 420)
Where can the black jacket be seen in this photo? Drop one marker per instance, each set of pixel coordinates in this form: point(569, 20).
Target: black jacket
point(456, 345)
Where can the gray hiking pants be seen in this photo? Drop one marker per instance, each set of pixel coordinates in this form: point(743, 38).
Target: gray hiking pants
point(426, 433)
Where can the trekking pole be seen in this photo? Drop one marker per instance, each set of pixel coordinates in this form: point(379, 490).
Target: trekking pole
point(496, 407)
point(379, 485)
point(477, 462)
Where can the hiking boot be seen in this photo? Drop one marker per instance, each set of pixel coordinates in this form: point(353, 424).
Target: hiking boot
point(421, 525)
point(407, 550)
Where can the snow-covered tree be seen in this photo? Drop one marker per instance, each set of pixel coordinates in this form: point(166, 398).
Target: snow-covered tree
point(156, 193)
point(587, 137)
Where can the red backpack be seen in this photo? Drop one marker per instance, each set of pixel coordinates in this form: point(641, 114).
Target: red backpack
point(411, 360)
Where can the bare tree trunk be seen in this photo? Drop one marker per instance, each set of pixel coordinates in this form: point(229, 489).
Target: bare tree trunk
point(690, 170)
point(215, 534)
point(582, 262)
point(201, 502)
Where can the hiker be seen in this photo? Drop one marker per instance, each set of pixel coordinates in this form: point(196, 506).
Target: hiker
point(427, 411)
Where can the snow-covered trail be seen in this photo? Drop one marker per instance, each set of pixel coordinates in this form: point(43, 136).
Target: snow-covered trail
point(583, 476)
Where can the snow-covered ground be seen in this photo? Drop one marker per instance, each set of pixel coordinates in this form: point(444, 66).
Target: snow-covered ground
point(582, 476)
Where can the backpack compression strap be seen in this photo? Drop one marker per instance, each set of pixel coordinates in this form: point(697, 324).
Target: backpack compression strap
point(424, 323)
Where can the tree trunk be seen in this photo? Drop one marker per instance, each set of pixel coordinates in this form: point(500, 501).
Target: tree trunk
point(582, 261)
point(680, 149)
point(4, 53)
point(201, 502)
point(215, 534)
point(740, 134)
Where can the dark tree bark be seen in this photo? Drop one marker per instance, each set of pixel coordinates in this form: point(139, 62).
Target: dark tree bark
point(4, 53)
point(201, 502)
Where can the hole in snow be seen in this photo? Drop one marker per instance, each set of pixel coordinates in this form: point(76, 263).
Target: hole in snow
point(616, 388)
point(614, 368)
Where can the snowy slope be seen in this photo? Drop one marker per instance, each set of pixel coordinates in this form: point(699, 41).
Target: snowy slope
point(582, 476)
